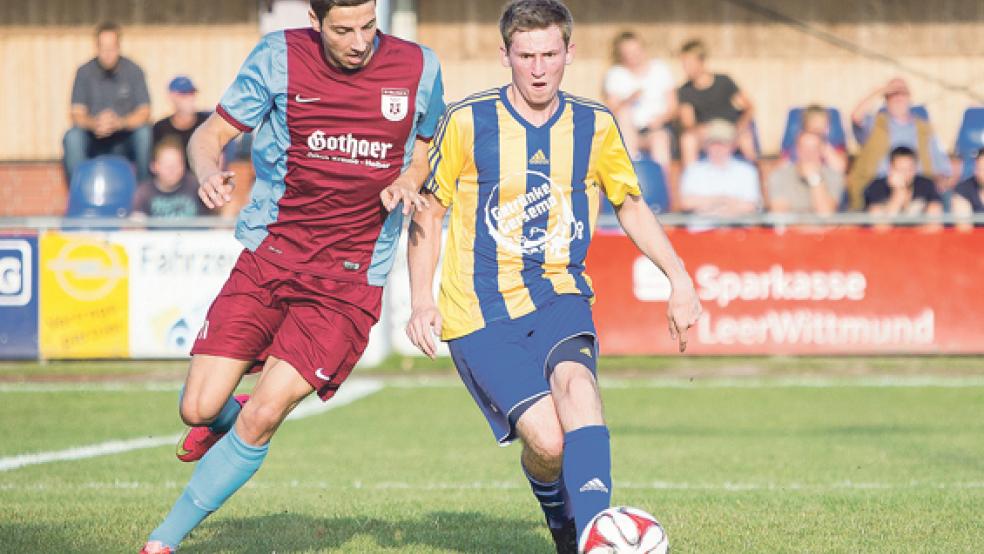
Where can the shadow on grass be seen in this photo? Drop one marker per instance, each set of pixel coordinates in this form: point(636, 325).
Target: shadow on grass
point(450, 531)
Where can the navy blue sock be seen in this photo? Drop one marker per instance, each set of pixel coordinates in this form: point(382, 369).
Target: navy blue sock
point(588, 472)
point(222, 471)
point(553, 500)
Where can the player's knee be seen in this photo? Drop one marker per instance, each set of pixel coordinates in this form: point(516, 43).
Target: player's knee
point(194, 412)
point(547, 451)
point(260, 417)
point(572, 379)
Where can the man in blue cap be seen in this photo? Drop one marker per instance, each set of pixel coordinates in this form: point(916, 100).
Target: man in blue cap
point(186, 118)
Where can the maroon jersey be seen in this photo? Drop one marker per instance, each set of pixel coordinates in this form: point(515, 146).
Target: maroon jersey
point(327, 142)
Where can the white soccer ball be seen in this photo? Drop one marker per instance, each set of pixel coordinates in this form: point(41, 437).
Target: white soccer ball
point(623, 530)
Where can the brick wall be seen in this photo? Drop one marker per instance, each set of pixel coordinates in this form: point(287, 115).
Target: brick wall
point(32, 189)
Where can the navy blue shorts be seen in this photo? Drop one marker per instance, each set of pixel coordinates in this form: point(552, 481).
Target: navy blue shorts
point(506, 366)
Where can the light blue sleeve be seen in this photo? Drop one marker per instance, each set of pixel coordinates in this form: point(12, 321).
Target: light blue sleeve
point(430, 96)
point(262, 76)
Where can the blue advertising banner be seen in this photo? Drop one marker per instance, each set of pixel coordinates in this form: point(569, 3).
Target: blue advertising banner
point(18, 297)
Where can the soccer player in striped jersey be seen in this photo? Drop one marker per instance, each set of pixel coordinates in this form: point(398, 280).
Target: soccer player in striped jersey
point(342, 114)
point(522, 169)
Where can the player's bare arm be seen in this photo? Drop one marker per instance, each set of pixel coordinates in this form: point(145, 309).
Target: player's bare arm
point(645, 231)
point(424, 250)
point(406, 187)
point(205, 154)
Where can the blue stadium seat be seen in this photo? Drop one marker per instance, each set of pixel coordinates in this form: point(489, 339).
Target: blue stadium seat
point(794, 122)
point(652, 180)
point(970, 138)
point(102, 187)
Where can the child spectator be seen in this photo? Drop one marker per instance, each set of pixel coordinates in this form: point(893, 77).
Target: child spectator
point(172, 191)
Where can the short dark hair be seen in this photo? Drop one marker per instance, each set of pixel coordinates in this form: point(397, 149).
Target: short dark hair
point(109, 27)
point(901, 152)
point(322, 7)
point(527, 15)
point(694, 46)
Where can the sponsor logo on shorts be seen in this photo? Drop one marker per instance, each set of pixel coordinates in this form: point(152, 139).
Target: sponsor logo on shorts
point(320, 374)
point(586, 351)
point(351, 266)
point(203, 333)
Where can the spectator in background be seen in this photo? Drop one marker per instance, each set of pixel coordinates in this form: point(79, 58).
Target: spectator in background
point(968, 196)
point(808, 184)
point(173, 190)
point(640, 92)
point(881, 133)
point(110, 108)
point(721, 184)
point(707, 96)
point(902, 191)
point(816, 120)
point(185, 118)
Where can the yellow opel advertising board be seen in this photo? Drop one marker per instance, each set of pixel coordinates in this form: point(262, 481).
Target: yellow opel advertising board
point(84, 297)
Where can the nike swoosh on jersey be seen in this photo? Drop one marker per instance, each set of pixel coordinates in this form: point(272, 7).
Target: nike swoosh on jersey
point(300, 99)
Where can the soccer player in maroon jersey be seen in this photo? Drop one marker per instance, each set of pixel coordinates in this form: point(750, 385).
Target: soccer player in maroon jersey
point(342, 115)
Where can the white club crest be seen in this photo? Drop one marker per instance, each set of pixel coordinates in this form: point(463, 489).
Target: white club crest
point(395, 103)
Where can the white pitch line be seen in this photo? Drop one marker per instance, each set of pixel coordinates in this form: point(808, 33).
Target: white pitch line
point(441, 382)
point(352, 391)
point(515, 485)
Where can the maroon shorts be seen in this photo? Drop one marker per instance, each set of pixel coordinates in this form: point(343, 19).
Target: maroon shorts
point(318, 325)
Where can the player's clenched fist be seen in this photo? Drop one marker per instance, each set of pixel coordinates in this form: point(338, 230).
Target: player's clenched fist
point(216, 189)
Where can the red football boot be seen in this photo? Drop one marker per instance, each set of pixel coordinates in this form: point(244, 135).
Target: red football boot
point(197, 440)
point(156, 547)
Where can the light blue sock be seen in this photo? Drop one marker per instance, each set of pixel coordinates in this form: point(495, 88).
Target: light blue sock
point(220, 473)
point(588, 472)
point(227, 415)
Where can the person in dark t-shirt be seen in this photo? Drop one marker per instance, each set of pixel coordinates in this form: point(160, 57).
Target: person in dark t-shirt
point(186, 118)
point(173, 191)
point(968, 196)
point(707, 96)
point(902, 191)
point(110, 108)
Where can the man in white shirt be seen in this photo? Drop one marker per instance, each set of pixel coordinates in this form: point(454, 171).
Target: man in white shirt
point(721, 185)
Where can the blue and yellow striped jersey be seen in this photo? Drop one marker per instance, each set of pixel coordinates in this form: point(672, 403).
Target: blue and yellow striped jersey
point(524, 201)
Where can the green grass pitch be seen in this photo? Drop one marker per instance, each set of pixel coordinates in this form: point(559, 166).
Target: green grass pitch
point(845, 464)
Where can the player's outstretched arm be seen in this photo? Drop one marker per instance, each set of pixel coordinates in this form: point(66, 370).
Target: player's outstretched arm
point(645, 231)
point(406, 187)
point(424, 251)
point(205, 154)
